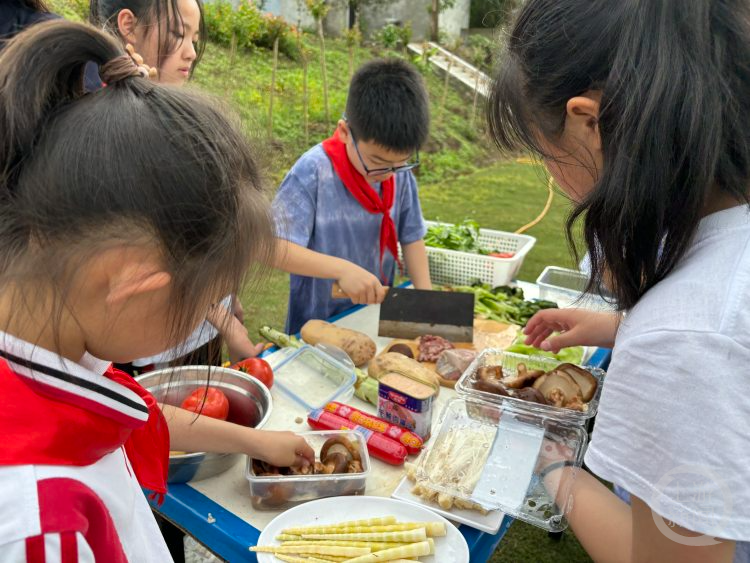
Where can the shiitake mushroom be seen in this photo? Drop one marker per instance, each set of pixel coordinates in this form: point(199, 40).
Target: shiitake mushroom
point(338, 455)
point(491, 386)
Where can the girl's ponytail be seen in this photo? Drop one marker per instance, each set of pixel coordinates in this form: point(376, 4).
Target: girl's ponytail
point(132, 162)
point(41, 71)
point(674, 118)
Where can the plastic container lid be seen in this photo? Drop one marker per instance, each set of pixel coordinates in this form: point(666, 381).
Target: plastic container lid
point(509, 361)
point(491, 455)
point(313, 377)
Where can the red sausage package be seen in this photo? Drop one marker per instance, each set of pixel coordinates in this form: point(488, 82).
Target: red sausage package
point(380, 446)
point(409, 439)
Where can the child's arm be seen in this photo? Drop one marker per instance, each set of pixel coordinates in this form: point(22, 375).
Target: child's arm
point(358, 284)
point(610, 530)
point(234, 334)
point(577, 327)
point(191, 433)
point(415, 258)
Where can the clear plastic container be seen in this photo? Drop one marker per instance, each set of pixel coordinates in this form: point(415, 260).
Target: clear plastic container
point(493, 455)
point(567, 287)
point(509, 361)
point(284, 491)
point(313, 377)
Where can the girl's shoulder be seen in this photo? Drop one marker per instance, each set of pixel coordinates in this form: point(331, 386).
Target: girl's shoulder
point(706, 291)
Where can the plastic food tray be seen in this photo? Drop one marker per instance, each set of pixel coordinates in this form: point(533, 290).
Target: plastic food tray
point(514, 446)
point(567, 288)
point(453, 267)
point(509, 361)
point(284, 491)
point(314, 378)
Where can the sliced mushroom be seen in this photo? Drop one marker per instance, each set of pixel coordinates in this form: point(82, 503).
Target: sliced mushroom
point(530, 394)
point(338, 455)
point(583, 378)
point(264, 469)
point(340, 444)
point(336, 462)
point(523, 378)
point(306, 470)
point(486, 373)
point(491, 386)
point(576, 404)
point(558, 388)
point(277, 494)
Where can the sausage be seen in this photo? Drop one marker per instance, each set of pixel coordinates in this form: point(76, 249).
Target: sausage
point(408, 438)
point(380, 446)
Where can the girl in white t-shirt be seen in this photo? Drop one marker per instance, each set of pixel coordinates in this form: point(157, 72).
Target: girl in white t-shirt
point(641, 111)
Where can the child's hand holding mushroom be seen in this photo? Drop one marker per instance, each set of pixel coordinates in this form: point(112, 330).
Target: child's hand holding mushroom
point(283, 449)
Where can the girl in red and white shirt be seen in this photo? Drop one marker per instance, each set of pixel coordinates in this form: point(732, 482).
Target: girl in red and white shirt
point(124, 214)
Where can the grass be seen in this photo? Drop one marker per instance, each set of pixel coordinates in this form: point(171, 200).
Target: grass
point(454, 148)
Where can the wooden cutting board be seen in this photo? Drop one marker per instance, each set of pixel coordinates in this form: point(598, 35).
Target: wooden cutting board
point(414, 346)
point(480, 326)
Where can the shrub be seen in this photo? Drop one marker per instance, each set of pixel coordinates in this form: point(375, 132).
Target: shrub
point(389, 36)
point(392, 36)
point(276, 26)
point(404, 34)
point(76, 10)
point(250, 28)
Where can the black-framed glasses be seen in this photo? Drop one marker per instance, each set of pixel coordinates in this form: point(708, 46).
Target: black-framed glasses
point(381, 171)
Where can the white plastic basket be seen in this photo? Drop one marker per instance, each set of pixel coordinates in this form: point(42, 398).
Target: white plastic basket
point(453, 267)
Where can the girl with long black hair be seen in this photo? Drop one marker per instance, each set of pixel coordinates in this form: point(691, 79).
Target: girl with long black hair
point(640, 110)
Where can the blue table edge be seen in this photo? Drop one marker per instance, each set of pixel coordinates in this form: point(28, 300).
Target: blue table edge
point(230, 537)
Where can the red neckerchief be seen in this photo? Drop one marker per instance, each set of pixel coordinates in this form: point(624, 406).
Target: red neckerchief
point(46, 423)
point(366, 195)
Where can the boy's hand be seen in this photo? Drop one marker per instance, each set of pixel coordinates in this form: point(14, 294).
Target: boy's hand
point(285, 449)
point(577, 327)
point(361, 286)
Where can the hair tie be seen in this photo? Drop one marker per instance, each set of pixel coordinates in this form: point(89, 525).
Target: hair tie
point(126, 66)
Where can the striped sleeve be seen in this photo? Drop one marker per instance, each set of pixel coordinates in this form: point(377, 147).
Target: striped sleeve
point(64, 547)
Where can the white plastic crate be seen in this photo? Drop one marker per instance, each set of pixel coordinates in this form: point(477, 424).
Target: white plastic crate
point(452, 267)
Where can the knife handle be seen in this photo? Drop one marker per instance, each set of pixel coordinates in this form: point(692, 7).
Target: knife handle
point(338, 293)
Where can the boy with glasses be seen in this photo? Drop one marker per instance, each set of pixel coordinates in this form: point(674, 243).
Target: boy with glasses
point(348, 202)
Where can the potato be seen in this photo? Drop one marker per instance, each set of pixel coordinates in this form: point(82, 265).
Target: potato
point(393, 361)
point(358, 346)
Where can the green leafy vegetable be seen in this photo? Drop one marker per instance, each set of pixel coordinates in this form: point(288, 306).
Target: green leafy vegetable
point(505, 304)
point(463, 237)
point(572, 355)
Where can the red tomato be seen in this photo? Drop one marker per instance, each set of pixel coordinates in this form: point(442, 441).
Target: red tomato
point(216, 404)
point(258, 368)
point(502, 254)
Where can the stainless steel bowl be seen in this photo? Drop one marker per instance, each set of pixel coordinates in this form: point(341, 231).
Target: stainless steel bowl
point(249, 405)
